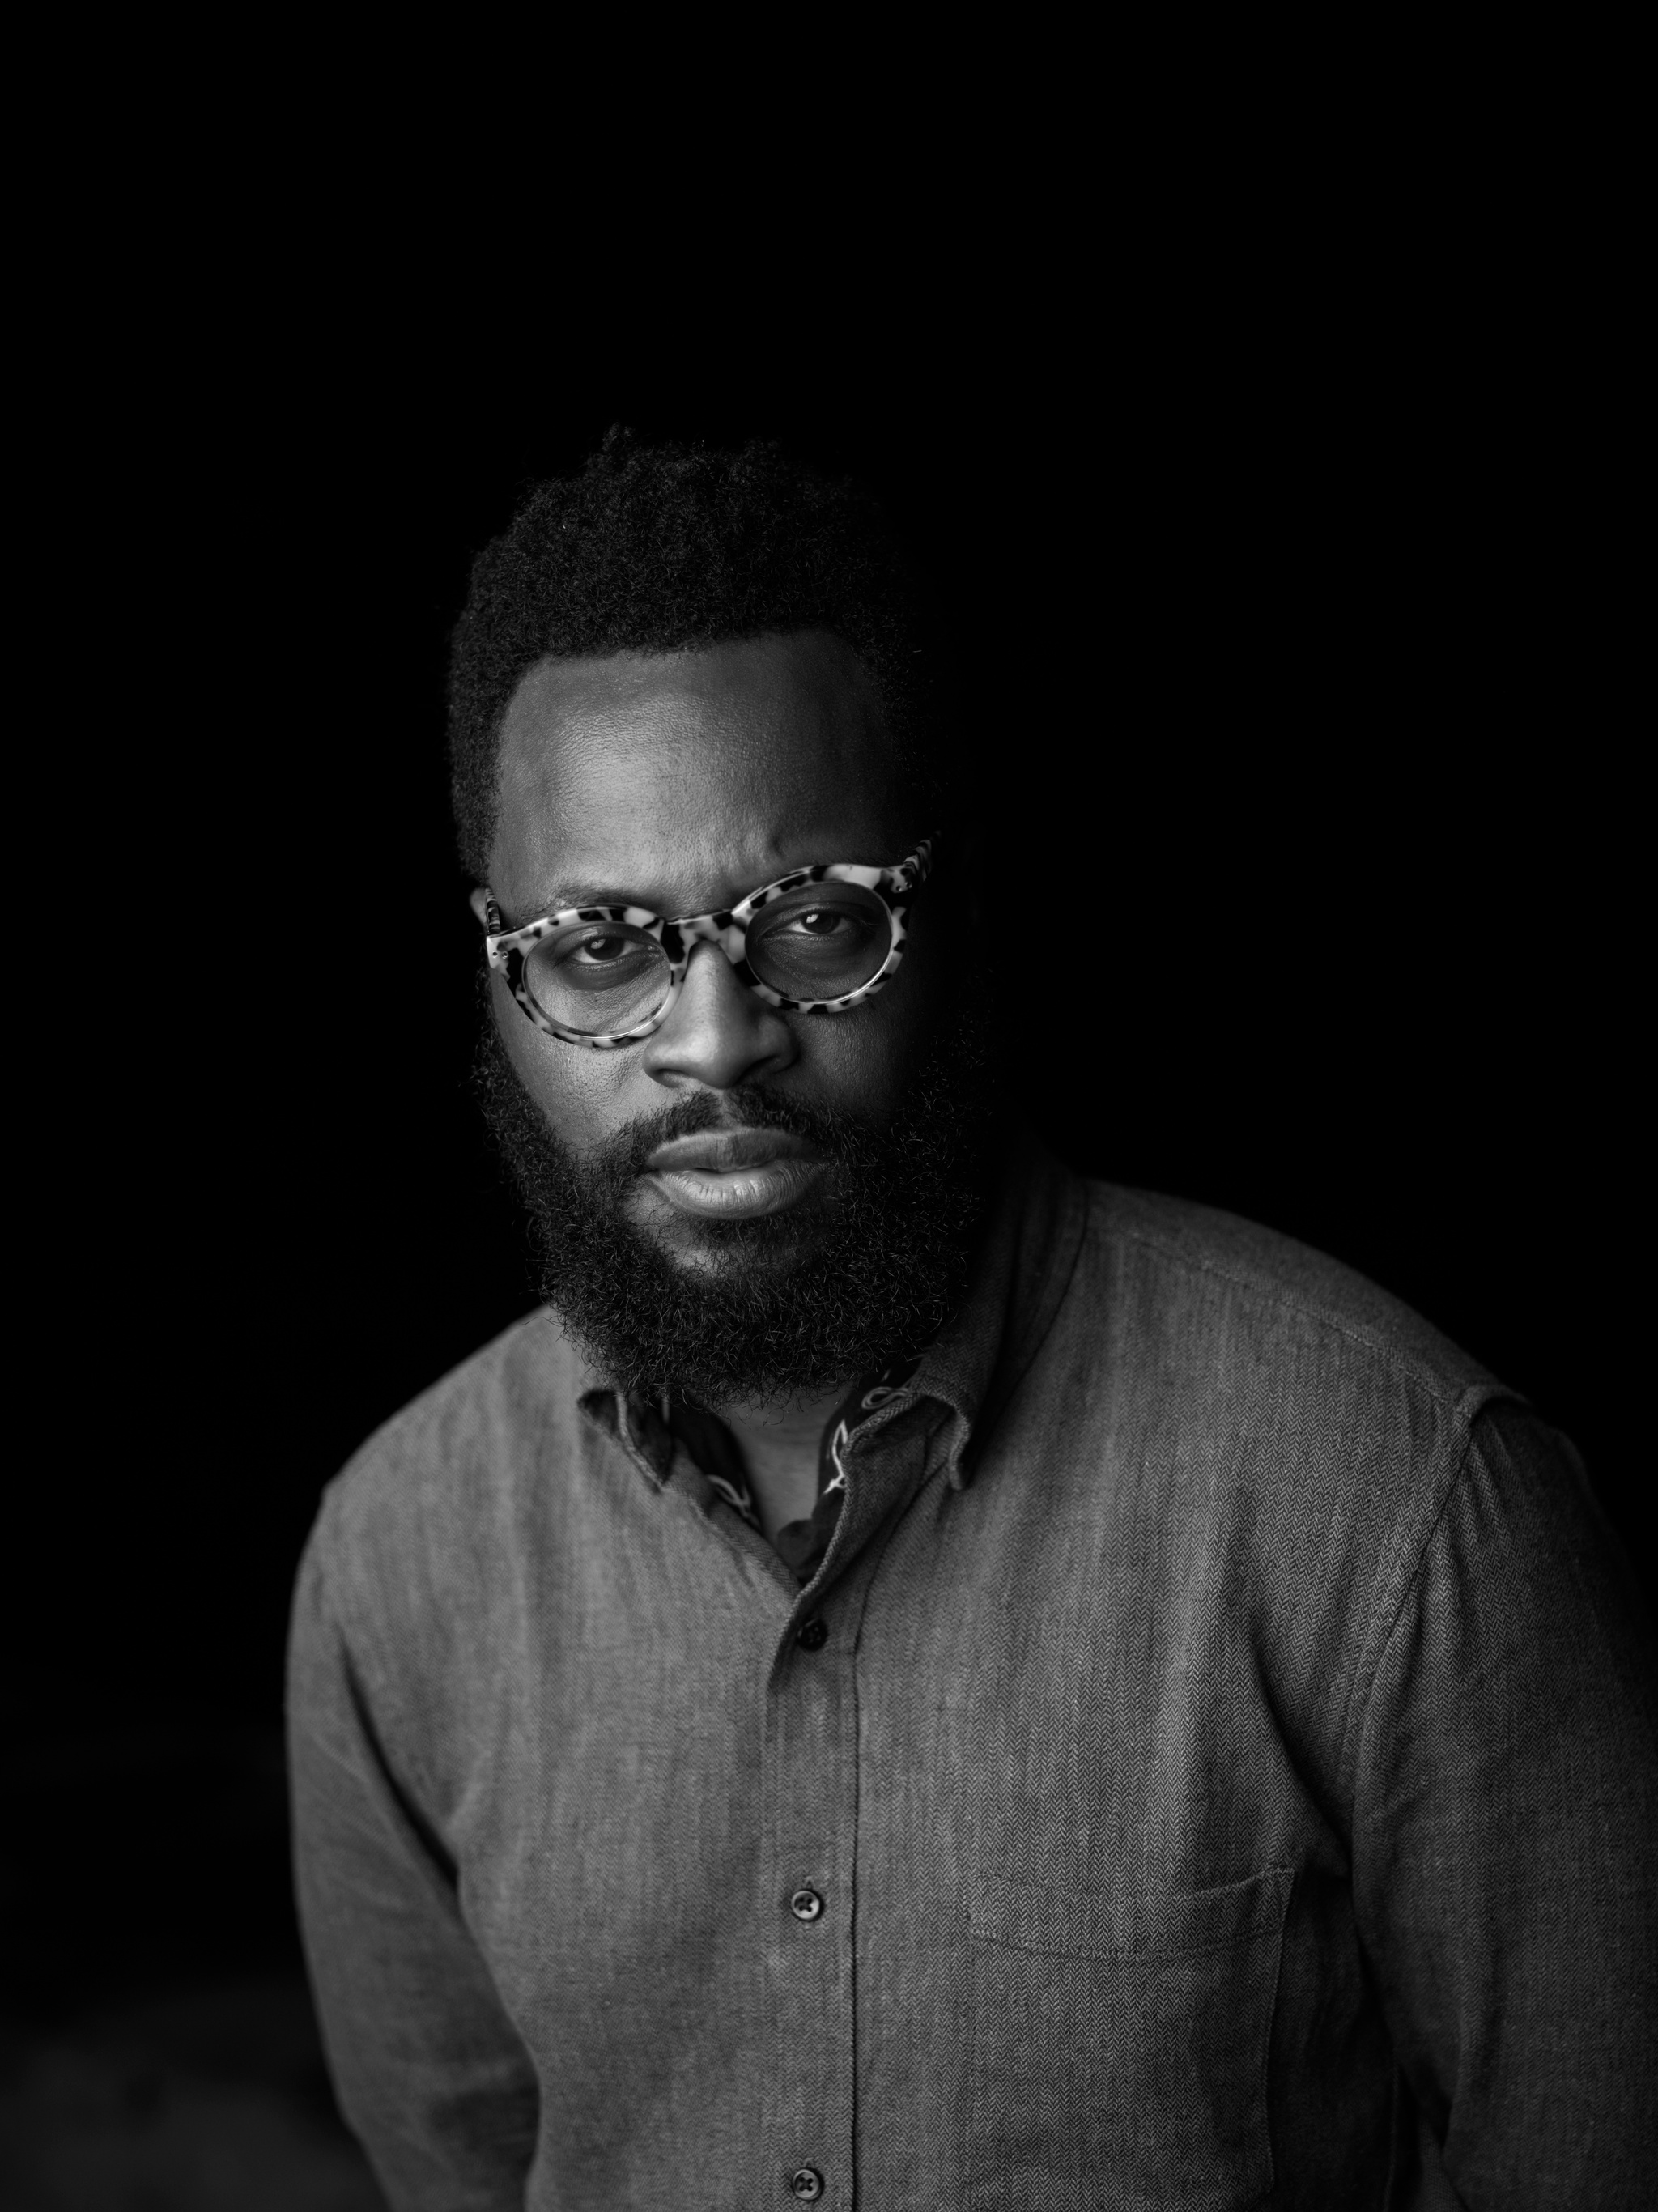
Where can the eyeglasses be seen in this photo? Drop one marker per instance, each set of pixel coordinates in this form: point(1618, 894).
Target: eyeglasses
point(819, 941)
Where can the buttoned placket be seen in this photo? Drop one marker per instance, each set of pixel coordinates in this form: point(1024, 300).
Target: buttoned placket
point(810, 1788)
point(811, 1784)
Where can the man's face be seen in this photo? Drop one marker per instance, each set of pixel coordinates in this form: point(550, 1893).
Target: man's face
point(681, 782)
point(746, 1203)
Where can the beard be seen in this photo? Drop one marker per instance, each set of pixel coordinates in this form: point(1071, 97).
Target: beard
point(783, 1304)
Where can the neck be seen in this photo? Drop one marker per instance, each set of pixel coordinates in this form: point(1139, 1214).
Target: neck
point(785, 1419)
point(780, 1442)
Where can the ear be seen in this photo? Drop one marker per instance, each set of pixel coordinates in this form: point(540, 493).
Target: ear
point(479, 903)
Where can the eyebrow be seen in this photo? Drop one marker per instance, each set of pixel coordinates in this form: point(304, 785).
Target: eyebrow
point(607, 895)
point(591, 895)
point(586, 895)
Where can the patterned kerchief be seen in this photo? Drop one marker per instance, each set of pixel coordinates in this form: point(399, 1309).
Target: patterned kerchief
point(801, 1544)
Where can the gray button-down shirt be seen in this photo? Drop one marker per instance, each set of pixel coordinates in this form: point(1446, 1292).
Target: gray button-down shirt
point(1230, 1774)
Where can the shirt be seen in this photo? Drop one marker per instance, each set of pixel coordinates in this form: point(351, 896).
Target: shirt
point(1214, 1763)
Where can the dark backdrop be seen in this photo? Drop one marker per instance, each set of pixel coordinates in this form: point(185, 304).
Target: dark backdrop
point(1289, 652)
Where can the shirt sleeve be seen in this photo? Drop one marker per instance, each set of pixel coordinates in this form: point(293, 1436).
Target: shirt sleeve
point(428, 2068)
point(1505, 1843)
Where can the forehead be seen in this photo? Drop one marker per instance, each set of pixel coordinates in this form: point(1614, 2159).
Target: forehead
point(684, 780)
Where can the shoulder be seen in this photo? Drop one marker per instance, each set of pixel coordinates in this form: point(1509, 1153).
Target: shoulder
point(1231, 1296)
point(1264, 1385)
point(435, 1491)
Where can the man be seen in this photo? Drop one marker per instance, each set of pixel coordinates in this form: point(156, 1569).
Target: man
point(919, 1680)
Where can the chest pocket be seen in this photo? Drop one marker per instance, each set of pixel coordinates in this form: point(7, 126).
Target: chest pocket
point(1120, 2047)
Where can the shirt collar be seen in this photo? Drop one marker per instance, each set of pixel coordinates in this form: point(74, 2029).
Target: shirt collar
point(1033, 1234)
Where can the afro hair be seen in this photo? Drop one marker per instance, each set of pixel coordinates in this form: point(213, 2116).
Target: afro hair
point(659, 547)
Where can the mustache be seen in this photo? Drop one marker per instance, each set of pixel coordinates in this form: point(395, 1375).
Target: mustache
point(838, 1136)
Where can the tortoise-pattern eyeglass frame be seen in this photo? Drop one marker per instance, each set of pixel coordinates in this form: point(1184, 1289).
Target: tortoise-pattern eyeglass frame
point(506, 950)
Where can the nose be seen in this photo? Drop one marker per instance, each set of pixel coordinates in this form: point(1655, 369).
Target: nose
point(719, 1034)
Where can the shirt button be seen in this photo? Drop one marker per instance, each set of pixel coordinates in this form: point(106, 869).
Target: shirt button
point(807, 2185)
point(805, 1905)
point(814, 1635)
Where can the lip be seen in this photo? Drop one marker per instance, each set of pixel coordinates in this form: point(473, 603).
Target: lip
point(717, 1151)
point(735, 1173)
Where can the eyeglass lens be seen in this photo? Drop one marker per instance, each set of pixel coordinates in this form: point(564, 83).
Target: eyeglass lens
point(823, 941)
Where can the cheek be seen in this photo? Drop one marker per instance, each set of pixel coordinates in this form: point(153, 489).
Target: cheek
point(585, 1096)
point(865, 1060)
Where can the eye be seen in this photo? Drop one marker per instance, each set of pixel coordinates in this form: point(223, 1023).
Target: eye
point(819, 922)
point(599, 951)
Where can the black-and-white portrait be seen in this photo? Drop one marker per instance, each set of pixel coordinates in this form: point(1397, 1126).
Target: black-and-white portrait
point(859, 1424)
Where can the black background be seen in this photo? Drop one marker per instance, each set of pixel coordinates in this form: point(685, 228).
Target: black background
point(1295, 623)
